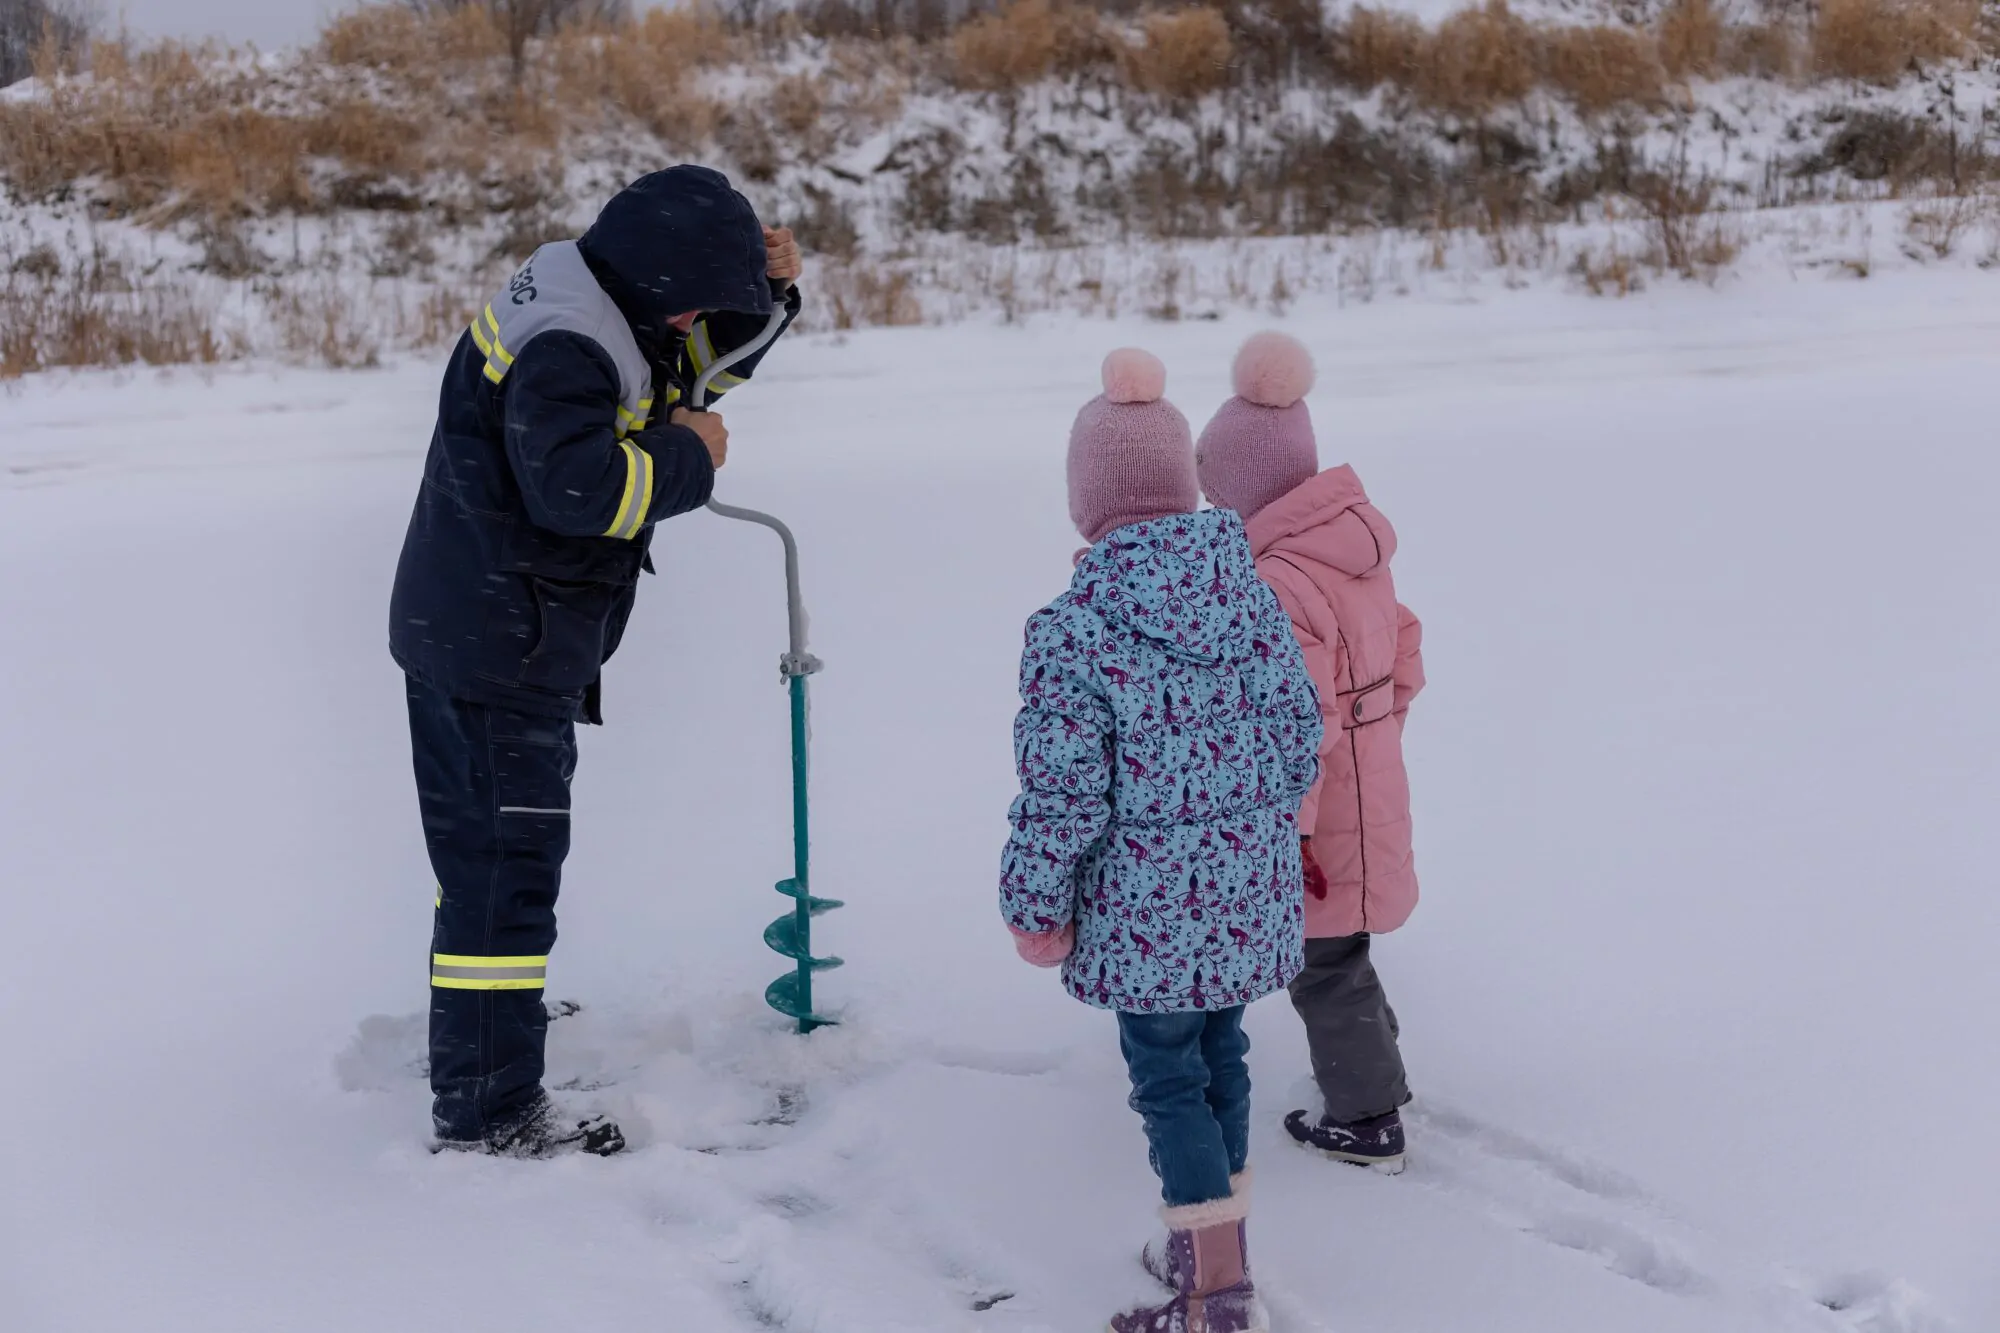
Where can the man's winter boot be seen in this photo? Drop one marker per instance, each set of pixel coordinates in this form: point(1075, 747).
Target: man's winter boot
point(1158, 1256)
point(1210, 1267)
point(1376, 1142)
point(544, 1132)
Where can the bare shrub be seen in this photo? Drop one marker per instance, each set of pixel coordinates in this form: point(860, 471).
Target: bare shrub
point(1477, 60)
point(859, 296)
point(88, 312)
point(517, 22)
point(40, 33)
point(1608, 272)
point(1087, 47)
point(1182, 54)
point(412, 42)
point(1902, 150)
point(1377, 46)
point(1762, 51)
point(1274, 41)
point(1935, 229)
point(645, 70)
point(322, 323)
point(1602, 67)
point(1690, 38)
point(1687, 236)
point(1877, 40)
point(1007, 49)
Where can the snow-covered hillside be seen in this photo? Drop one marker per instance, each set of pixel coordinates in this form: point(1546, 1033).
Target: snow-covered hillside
point(344, 201)
point(1699, 1004)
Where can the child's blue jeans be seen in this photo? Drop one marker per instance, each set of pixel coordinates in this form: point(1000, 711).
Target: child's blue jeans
point(1191, 1084)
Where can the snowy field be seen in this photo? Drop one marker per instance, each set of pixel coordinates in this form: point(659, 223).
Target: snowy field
point(1700, 1005)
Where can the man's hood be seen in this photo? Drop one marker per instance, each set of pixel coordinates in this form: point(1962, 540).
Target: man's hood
point(675, 241)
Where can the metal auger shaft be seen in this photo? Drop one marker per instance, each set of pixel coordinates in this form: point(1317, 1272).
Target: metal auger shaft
point(791, 934)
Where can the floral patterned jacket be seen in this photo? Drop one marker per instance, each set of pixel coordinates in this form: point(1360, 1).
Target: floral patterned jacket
point(1167, 734)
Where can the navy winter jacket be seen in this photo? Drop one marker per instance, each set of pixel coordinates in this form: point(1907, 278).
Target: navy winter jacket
point(539, 494)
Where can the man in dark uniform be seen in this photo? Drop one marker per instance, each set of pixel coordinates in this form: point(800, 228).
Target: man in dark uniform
point(563, 436)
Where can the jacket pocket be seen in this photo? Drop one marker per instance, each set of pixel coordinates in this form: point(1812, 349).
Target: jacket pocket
point(569, 652)
point(547, 555)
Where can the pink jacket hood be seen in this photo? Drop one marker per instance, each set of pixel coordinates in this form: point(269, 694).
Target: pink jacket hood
point(1325, 550)
point(1330, 519)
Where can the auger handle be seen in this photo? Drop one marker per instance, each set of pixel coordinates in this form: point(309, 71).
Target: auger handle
point(797, 661)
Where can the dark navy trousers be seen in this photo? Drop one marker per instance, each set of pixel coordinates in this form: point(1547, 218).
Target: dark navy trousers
point(494, 789)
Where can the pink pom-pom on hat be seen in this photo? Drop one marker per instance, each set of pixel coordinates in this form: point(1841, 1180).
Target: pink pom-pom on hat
point(1260, 444)
point(1273, 370)
point(1132, 375)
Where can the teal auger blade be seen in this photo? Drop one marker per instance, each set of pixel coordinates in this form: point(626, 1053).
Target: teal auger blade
point(815, 906)
point(783, 937)
point(783, 995)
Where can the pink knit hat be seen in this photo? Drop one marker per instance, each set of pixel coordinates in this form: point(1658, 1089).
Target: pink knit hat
point(1260, 444)
point(1131, 454)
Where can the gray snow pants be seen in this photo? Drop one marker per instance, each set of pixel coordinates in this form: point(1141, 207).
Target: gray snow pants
point(1351, 1029)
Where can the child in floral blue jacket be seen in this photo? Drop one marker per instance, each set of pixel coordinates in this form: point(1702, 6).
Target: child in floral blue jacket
point(1167, 734)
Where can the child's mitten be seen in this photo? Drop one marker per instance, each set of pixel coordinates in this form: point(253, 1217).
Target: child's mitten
point(1315, 877)
point(1047, 949)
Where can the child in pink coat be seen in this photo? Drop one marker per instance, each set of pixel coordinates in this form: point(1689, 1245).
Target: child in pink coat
point(1325, 550)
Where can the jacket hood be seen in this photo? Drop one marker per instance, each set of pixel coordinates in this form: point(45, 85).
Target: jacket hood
point(1327, 519)
point(674, 241)
point(1185, 581)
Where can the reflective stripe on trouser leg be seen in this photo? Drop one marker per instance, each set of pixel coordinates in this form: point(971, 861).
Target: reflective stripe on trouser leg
point(500, 873)
point(466, 972)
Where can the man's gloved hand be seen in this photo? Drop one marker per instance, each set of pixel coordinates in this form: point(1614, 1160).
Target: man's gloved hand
point(709, 426)
point(1315, 877)
point(782, 250)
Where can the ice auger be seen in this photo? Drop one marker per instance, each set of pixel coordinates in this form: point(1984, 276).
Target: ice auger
point(790, 934)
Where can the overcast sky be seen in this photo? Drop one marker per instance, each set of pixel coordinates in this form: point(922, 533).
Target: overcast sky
point(268, 23)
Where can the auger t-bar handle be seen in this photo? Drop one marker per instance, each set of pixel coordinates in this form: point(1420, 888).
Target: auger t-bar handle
point(797, 661)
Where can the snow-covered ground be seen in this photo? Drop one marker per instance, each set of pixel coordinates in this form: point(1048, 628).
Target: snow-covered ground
point(1700, 1004)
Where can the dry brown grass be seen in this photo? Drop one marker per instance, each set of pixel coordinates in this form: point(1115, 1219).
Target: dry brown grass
point(862, 295)
point(1602, 67)
point(1880, 40)
point(1181, 55)
point(88, 311)
point(1479, 59)
point(1378, 46)
point(1774, 50)
point(387, 100)
point(1007, 49)
point(1690, 39)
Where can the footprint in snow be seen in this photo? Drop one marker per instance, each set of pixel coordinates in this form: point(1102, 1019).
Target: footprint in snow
point(1873, 1303)
point(1624, 1251)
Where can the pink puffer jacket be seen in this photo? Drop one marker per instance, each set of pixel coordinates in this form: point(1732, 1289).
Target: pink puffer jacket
point(1325, 551)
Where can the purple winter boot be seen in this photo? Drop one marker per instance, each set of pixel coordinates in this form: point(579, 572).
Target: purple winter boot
point(1210, 1272)
point(1158, 1256)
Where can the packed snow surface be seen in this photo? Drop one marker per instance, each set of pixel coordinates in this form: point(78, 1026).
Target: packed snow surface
point(1700, 1002)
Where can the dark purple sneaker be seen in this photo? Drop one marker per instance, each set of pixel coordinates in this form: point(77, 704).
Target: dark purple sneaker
point(1212, 1288)
point(1376, 1142)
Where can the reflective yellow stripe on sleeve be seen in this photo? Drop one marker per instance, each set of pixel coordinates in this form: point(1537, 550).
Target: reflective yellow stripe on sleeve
point(629, 421)
point(499, 349)
point(700, 349)
point(494, 372)
point(637, 500)
point(452, 971)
